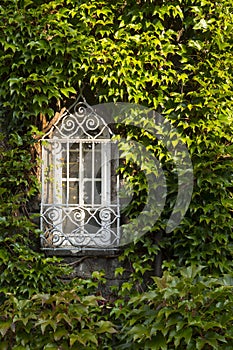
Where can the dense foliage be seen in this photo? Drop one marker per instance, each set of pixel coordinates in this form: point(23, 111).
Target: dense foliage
point(176, 57)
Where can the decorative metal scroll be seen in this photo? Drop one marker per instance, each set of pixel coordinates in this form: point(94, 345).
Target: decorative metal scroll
point(88, 227)
point(80, 205)
point(80, 121)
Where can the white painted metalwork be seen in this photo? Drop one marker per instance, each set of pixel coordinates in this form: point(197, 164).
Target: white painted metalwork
point(80, 204)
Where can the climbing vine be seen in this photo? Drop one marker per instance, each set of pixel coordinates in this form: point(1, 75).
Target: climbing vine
point(176, 58)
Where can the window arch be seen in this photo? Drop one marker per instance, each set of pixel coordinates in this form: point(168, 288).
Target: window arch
point(80, 203)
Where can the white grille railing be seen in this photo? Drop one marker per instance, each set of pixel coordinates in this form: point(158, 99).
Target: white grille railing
point(80, 204)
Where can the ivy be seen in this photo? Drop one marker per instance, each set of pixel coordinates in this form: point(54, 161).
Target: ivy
point(176, 58)
point(179, 313)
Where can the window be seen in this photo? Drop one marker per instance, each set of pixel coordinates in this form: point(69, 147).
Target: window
point(80, 204)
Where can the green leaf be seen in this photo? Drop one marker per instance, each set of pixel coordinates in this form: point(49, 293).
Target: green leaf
point(4, 327)
point(40, 99)
point(160, 342)
point(187, 334)
point(76, 338)
point(4, 345)
point(67, 91)
point(105, 327)
point(85, 337)
point(139, 332)
point(201, 25)
point(59, 333)
point(45, 323)
point(50, 346)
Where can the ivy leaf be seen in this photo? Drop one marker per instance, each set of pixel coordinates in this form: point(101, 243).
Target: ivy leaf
point(106, 327)
point(160, 342)
point(67, 91)
point(201, 25)
point(4, 327)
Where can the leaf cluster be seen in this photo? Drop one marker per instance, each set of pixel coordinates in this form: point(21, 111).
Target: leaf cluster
point(179, 312)
point(49, 321)
point(172, 56)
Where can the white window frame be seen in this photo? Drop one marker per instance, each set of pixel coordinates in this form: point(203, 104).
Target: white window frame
point(56, 212)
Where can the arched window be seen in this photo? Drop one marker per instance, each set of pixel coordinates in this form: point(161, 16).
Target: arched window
point(80, 204)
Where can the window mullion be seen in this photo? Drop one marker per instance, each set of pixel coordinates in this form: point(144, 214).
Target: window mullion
point(44, 166)
point(117, 192)
point(57, 199)
point(93, 175)
point(67, 174)
point(103, 175)
point(81, 174)
point(57, 194)
point(106, 178)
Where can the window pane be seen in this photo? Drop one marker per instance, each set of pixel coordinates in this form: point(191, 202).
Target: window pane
point(93, 226)
point(87, 160)
point(114, 181)
point(97, 192)
point(69, 223)
point(97, 163)
point(63, 161)
point(48, 175)
point(74, 161)
point(87, 192)
point(73, 192)
point(64, 192)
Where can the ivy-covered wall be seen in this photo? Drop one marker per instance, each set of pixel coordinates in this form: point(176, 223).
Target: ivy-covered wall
point(172, 56)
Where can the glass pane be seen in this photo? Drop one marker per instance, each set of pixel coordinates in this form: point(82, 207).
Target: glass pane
point(93, 226)
point(87, 192)
point(87, 158)
point(97, 192)
point(48, 176)
point(74, 161)
point(68, 225)
point(97, 170)
point(114, 180)
point(48, 191)
point(63, 160)
point(73, 192)
point(64, 192)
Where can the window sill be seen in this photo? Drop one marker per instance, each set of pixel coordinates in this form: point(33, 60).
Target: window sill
point(97, 252)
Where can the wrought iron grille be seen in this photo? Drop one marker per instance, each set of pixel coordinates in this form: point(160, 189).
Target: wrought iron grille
point(80, 204)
